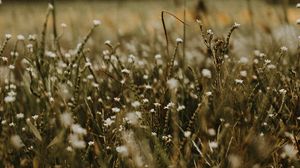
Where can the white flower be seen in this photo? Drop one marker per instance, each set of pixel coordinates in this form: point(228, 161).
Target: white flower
point(180, 108)
point(135, 104)
point(298, 5)
point(20, 37)
point(77, 129)
point(35, 117)
point(108, 122)
point(8, 36)
point(125, 71)
point(238, 81)
point(243, 60)
point(210, 32)
point(236, 25)
point(211, 132)
point(63, 25)
point(290, 151)
point(107, 42)
point(66, 119)
point(179, 40)
point(208, 93)
point(133, 117)
point(96, 22)
point(267, 61)
point(187, 134)
point(282, 91)
point(16, 141)
point(91, 143)
point(11, 67)
point(243, 73)
point(213, 144)
point(298, 21)
point(20, 115)
point(173, 83)
point(3, 122)
point(50, 54)
point(157, 56)
point(76, 142)
point(284, 48)
point(9, 99)
point(123, 150)
point(115, 109)
point(271, 66)
point(206, 73)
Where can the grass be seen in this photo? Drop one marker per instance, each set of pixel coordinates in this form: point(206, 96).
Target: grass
point(232, 100)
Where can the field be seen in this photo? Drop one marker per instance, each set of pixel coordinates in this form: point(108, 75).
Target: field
point(141, 84)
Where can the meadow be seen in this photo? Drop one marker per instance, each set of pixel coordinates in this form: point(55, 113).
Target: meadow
point(149, 84)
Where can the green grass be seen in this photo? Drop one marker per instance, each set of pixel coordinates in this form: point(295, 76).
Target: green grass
point(77, 100)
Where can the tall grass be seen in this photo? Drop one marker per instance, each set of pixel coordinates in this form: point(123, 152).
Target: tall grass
point(76, 107)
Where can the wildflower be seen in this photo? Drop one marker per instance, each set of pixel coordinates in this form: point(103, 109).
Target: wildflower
point(126, 71)
point(133, 117)
point(123, 150)
point(290, 151)
point(236, 25)
point(108, 122)
point(211, 132)
point(8, 36)
point(50, 54)
point(12, 124)
point(208, 93)
point(115, 109)
point(131, 58)
point(210, 32)
point(16, 141)
point(282, 91)
point(69, 149)
point(243, 73)
point(35, 117)
point(76, 142)
point(9, 99)
point(11, 67)
point(135, 104)
point(238, 81)
point(107, 42)
point(20, 37)
point(91, 143)
point(298, 21)
point(213, 144)
point(179, 40)
point(3, 122)
point(66, 119)
point(20, 115)
point(145, 101)
point(63, 25)
point(77, 129)
point(284, 49)
point(298, 5)
point(206, 73)
point(180, 108)
point(187, 134)
point(157, 56)
point(267, 61)
point(96, 22)
point(271, 66)
point(173, 83)
point(243, 60)
point(169, 106)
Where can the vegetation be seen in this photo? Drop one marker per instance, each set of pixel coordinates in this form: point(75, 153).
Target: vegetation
point(228, 97)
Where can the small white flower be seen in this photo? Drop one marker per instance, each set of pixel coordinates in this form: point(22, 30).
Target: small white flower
point(173, 83)
point(208, 93)
point(211, 132)
point(135, 104)
point(271, 66)
point(298, 5)
point(9, 99)
point(123, 150)
point(213, 144)
point(243, 73)
point(210, 32)
point(238, 81)
point(35, 117)
point(108, 122)
point(267, 61)
point(236, 25)
point(115, 109)
point(77, 129)
point(20, 37)
point(282, 91)
point(133, 117)
point(187, 134)
point(12, 124)
point(179, 40)
point(298, 21)
point(76, 142)
point(96, 22)
point(243, 60)
point(16, 141)
point(284, 48)
point(206, 73)
point(107, 42)
point(290, 151)
point(126, 71)
point(66, 119)
point(180, 108)
point(20, 115)
point(63, 25)
point(8, 36)
point(11, 67)
point(91, 143)
point(3, 122)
